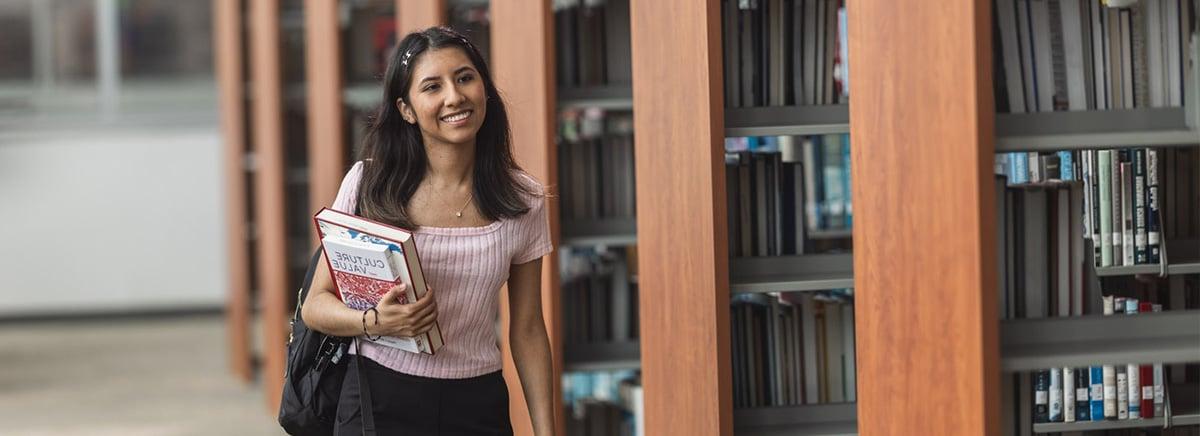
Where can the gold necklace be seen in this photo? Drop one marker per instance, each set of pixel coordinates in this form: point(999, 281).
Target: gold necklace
point(460, 210)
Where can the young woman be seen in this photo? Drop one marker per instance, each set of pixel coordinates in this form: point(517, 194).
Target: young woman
point(438, 160)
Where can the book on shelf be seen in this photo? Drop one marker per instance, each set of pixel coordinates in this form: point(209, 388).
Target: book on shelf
point(366, 259)
point(592, 43)
point(599, 295)
point(784, 52)
point(792, 348)
point(604, 403)
point(596, 164)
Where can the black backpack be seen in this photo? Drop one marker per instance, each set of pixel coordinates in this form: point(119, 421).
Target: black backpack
point(312, 381)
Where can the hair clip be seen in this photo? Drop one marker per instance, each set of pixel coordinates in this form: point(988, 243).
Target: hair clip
point(404, 62)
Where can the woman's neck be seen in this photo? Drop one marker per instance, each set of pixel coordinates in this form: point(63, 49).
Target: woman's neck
point(451, 166)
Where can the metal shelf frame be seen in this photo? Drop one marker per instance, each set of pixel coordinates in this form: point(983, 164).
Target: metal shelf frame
point(1162, 337)
point(602, 356)
point(603, 231)
point(812, 419)
point(814, 272)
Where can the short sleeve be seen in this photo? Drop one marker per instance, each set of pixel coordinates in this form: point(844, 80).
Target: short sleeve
point(533, 232)
point(347, 196)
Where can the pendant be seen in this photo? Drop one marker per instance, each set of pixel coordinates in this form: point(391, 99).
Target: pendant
point(458, 214)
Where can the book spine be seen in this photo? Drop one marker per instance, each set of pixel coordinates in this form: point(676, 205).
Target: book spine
point(1117, 216)
point(1139, 206)
point(1109, 376)
point(1056, 395)
point(1093, 165)
point(1127, 228)
point(1066, 166)
point(1159, 380)
point(1035, 167)
point(1082, 397)
point(1041, 396)
point(1133, 372)
point(1152, 223)
point(1122, 392)
point(1096, 389)
point(1106, 247)
point(1085, 159)
point(1068, 394)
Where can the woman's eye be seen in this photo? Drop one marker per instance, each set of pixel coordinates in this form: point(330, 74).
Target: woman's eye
point(431, 88)
point(465, 79)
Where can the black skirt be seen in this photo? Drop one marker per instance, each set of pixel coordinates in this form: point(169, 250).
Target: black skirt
point(408, 405)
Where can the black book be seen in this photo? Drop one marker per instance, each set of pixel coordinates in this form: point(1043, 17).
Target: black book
point(1041, 396)
point(1082, 403)
point(618, 56)
point(1141, 254)
point(1153, 223)
point(566, 47)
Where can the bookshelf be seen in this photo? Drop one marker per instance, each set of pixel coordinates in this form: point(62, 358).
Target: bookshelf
point(819, 419)
point(619, 96)
point(604, 231)
point(1034, 344)
point(787, 120)
point(602, 356)
point(811, 272)
point(1053, 131)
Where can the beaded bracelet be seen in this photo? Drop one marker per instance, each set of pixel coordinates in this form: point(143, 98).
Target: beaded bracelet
point(364, 324)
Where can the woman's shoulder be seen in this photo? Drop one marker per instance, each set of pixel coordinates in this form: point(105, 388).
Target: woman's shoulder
point(530, 185)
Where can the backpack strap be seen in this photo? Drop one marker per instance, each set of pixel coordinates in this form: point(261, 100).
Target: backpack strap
point(364, 389)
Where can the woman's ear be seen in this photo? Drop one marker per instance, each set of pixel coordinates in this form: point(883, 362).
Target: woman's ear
point(406, 111)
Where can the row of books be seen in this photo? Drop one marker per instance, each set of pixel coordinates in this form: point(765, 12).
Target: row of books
point(1097, 393)
point(784, 52)
point(600, 295)
point(592, 42)
point(1081, 55)
point(595, 164)
point(783, 190)
point(604, 403)
point(473, 20)
point(792, 348)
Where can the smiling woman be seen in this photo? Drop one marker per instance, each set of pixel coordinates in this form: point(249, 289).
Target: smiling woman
point(438, 160)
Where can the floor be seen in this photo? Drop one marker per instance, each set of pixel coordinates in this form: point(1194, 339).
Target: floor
point(161, 377)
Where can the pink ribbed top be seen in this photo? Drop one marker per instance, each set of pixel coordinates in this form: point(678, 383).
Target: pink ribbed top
point(465, 267)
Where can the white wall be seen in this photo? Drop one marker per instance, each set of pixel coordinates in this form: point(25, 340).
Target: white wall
point(111, 220)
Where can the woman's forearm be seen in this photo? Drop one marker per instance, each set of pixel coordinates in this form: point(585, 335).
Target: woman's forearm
point(531, 354)
point(323, 312)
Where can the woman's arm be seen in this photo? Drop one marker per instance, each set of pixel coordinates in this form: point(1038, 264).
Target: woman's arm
point(531, 345)
point(324, 312)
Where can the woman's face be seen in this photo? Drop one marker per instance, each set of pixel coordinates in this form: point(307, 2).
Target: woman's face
point(448, 99)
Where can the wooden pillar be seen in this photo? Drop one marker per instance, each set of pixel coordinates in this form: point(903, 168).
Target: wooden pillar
point(921, 123)
point(682, 243)
point(326, 131)
point(269, 225)
point(414, 15)
point(523, 65)
point(227, 34)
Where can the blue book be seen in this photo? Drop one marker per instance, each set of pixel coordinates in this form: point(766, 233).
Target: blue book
point(846, 179)
point(1020, 169)
point(1066, 166)
point(1097, 391)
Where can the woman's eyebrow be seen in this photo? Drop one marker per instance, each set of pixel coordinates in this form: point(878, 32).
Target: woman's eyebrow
point(456, 72)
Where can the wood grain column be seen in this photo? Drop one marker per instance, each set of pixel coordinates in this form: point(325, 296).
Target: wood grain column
point(326, 131)
point(921, 122)
point(269, 226)
point(227, 34)
point(414, 15)
point(682, 243)
point(523, 65)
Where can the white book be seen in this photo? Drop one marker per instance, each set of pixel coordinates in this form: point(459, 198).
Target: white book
point(1103, 167)
point(1056, 395)
point(1117, 212)
point(1085, 161)
point(1134, 391)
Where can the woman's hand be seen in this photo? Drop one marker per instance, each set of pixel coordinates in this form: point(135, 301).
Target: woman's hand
point(396, 319)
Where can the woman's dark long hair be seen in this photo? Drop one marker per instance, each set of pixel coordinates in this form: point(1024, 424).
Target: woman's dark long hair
point(394, 159)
